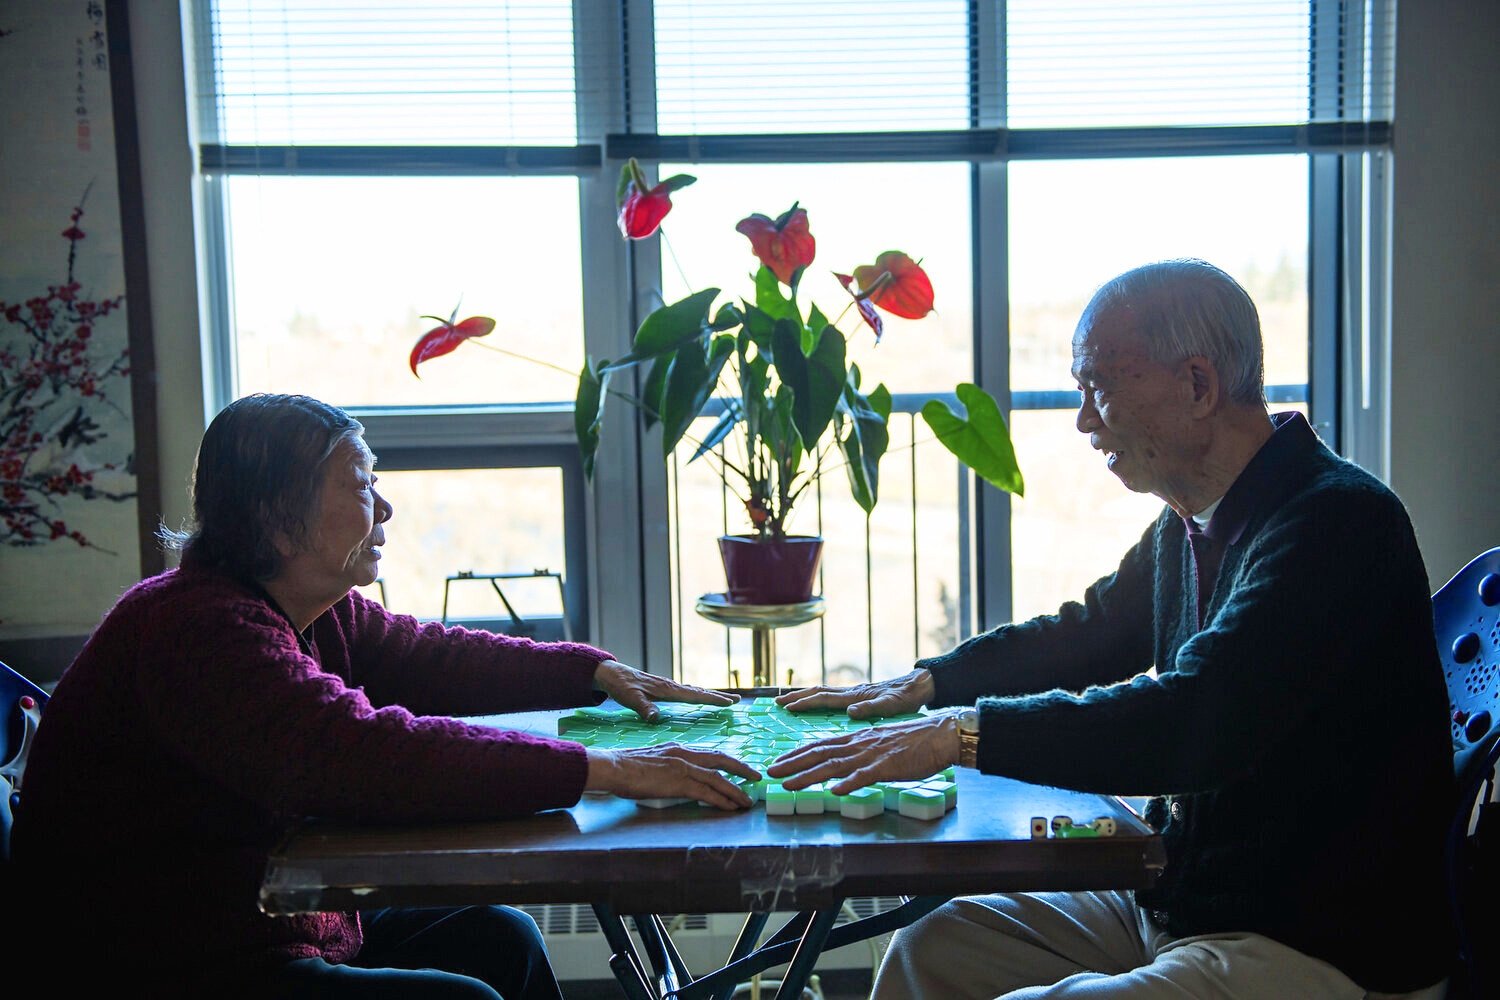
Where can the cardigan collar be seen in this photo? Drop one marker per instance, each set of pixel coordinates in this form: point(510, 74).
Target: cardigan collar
point(1263, 479)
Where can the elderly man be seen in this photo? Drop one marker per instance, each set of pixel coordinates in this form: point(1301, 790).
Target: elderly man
point(1293, 729)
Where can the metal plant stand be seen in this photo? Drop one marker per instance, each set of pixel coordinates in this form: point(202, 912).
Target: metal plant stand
point(762, 620)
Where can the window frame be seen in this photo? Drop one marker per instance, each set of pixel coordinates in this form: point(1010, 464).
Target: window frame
point(617, 527)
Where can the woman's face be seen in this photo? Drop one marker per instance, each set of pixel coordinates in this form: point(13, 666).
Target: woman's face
point(341, 549)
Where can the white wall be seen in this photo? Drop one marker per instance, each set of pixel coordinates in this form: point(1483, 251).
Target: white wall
point(1445, 292)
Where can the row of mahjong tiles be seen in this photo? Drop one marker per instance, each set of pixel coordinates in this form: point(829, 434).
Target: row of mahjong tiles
point(758, 732)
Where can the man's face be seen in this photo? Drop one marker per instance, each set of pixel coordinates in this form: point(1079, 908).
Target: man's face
point(1134, 410)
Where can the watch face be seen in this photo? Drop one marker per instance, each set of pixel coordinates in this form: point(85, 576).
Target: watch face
point(968, 721)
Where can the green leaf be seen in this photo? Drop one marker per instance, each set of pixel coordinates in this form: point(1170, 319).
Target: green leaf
point(982, 441)
point(669, 327)
point(769, 298)
point(691, 380)
point(815, 381)
point(726, 423)
point(758, 327)
point(623, 183)
point(675, 183)
point(817, 323)
point(588, 412)
point(656, 383)
point(727, 318)
point(781, 430)
point(866, 442)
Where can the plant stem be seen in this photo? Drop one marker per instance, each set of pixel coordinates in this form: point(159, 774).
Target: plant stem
point(524, 357)
point(673, 254)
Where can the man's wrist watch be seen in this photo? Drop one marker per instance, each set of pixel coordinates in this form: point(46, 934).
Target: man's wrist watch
point(968, 737)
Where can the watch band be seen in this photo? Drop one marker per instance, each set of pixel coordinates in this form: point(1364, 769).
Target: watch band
point(968, 738)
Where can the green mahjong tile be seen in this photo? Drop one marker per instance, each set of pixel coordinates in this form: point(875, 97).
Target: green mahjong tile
point(893, 790)
point(922, 803)
point(779, 801)
point(948, 788)
point(862, 803)
point(812, 800)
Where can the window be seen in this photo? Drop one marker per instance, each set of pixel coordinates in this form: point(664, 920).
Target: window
point(1103, 217)
point(366, 163)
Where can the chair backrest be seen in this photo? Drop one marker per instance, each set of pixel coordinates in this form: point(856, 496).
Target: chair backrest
point(20, 712)
point(1466, 619)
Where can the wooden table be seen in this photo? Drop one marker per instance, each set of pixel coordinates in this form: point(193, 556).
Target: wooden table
point(625, 859)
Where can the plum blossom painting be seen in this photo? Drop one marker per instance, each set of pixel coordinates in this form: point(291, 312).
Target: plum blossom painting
point(68, 530)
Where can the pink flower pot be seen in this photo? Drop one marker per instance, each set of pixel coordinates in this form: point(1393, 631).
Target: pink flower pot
point(770, 572)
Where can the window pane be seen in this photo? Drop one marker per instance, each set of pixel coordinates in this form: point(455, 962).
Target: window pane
point(701, 248)
point(724, 66)
point(482, 520)
point(886, 604)
point(1171, 62)
point(385, 72)
point(853, 213)
point(1075, 225)
point(332, 276)
point(1075, 521)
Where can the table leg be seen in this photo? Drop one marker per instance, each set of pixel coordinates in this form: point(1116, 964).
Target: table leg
point(749, 937)
point(784, 945)
point(671, 971)
point(623, 962)
point(807, 954)
point(763, 655)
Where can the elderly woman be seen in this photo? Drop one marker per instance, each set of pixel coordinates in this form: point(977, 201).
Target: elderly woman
point(218, 704)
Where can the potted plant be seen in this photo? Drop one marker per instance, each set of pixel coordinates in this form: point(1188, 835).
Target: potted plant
point(788, 398)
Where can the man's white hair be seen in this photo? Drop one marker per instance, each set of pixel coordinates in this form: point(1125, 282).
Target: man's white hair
point(1186, 308)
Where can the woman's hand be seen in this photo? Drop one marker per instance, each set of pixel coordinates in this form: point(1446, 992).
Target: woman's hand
point(901, 751)
point(638, 690)
point(669, 771)
point(897, 696)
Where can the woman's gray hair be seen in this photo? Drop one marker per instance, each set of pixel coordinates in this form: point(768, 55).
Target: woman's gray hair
point(256, 482)
point(1186, 308)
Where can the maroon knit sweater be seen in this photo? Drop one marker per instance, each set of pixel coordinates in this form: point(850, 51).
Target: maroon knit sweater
point(194, 730)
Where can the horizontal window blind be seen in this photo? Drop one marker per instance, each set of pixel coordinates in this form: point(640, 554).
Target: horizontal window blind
point(726, 66)
point(317, 75)
point(1077, 63)
point(846, 66)
point(390, 73)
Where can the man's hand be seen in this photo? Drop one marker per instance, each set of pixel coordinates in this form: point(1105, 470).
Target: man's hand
point(897, 696)
point(901, 751)
point(638, 690)
point(669, 771)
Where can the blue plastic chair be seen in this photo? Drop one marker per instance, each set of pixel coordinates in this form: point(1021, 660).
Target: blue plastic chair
point(1466, 619)
point(20, 712)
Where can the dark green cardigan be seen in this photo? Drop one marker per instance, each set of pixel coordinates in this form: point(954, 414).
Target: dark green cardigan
point(1300, 733)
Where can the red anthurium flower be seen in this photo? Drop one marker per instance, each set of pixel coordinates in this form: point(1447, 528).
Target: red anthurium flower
point(867, 311)
point(897, 284)
point(782, 245)
point(446, 338)
point(642, 208)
